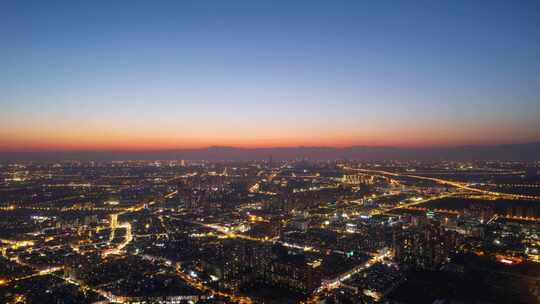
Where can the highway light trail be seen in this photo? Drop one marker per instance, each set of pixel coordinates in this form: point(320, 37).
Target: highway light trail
point(459, 185)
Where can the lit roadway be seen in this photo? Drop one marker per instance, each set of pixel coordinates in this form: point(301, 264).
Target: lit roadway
point(117, 250)
point(127, 226)
point(194, 282)
point(459, 185)
point(223, 230)
point(51, 271)
point(127, 239)
point(412, 203)
point(197, 284)
point(42, 272)
point(328, 285)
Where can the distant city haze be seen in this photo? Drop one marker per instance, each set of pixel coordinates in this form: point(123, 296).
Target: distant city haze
point(514, 152)
point(121, 76)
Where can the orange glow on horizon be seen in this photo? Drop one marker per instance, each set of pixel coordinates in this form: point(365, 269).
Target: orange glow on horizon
point(153, 144)
point(40, 133)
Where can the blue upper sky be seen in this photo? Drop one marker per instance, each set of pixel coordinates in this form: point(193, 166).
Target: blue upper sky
point(106, 74)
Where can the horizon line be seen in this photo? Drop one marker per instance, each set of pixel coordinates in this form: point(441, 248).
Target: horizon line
point(143, 150)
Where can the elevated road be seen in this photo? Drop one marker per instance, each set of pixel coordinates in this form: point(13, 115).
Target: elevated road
point(460, 185)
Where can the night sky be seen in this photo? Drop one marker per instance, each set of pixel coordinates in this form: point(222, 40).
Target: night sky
point(98, 75)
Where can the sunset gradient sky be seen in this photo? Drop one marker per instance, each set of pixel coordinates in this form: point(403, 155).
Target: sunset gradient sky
point(97, 75)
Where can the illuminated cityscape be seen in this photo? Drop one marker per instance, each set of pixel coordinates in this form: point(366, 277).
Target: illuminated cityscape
point(269, 231)
point(248, 152)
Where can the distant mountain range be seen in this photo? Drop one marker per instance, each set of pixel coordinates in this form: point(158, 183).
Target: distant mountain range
point(521, 152)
